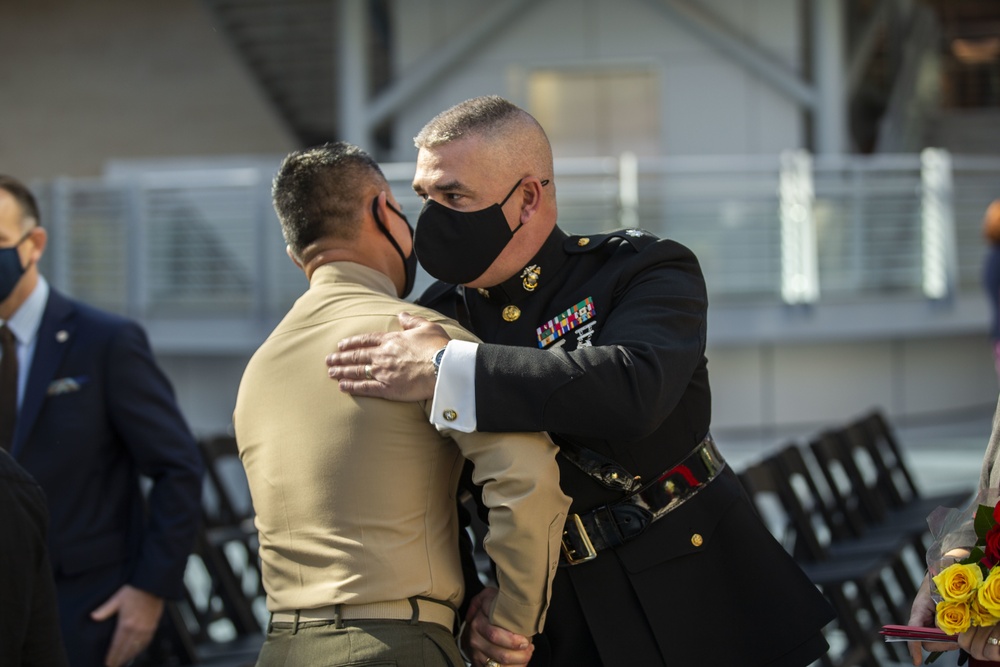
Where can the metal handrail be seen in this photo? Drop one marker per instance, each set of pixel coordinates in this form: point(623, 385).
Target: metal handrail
point(205, 243)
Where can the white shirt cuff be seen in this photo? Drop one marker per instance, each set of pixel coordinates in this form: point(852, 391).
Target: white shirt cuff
point(454, 404)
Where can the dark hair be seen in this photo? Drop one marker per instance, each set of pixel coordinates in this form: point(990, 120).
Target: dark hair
point(22, 195)
point(322, 191)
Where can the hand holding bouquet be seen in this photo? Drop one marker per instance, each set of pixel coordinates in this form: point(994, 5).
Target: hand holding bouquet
point(968, 591)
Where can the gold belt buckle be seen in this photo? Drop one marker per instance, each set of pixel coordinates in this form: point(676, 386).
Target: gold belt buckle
point(570, 553)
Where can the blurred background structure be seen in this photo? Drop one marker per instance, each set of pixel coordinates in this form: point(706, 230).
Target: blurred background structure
point(828, 160)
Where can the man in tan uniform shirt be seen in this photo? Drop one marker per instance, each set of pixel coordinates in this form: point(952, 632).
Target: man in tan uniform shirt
point(355, 497)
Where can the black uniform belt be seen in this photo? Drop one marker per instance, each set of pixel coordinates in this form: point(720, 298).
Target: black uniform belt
point(618, 522)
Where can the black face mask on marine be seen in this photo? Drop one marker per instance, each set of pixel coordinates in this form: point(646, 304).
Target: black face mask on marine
point(458, 246)
point(409, 263)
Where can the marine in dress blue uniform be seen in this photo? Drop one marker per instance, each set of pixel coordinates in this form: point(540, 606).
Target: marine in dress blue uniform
point(623, 382)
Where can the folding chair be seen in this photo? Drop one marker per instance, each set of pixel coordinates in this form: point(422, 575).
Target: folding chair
point(854, 585)
point(854, 483)
point(897, 486)
point(220, 621)
point(841, 536)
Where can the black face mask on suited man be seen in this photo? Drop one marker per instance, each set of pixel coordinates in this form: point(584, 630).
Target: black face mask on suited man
point(11, 268)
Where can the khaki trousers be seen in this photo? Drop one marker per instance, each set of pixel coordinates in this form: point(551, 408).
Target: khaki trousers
point(368, 643)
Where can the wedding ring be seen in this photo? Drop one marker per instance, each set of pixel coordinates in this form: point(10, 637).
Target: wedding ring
point(368, 372)
point(493, 663)
point(993, 640)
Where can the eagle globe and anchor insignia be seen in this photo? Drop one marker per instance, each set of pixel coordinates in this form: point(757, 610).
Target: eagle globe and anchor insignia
point(530, 276)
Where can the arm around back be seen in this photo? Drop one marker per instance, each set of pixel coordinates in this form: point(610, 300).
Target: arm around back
point(648, 352)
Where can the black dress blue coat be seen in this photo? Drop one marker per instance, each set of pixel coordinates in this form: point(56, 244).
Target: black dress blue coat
point(29, 619)
point(633, 386)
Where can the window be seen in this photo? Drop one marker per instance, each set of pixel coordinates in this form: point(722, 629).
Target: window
point(597, 112)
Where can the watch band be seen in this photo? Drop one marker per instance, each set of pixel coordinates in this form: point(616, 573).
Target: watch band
point(436, 359)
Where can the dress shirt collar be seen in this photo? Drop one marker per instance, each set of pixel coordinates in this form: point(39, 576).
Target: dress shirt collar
point(25, 322)
point(351, 272)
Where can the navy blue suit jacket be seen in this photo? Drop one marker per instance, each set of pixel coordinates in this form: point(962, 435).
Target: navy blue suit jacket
point(97, 413)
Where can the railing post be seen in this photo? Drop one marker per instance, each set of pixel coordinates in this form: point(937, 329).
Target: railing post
point(136, 267)
point(628, 190)
point(799, 264)
point(59, 243)
point(266, 280)
point(937, 217)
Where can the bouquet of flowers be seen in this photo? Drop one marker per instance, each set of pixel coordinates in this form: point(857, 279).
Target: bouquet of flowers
point(968, 591)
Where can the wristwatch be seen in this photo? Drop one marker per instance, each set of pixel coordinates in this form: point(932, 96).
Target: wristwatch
point(436, 359)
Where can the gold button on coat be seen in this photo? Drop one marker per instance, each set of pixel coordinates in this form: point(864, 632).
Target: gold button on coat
point(511, 313)
point(582, 242)
point(697, 540)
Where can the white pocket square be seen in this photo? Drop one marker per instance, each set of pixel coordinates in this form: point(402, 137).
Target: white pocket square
point(65, 386)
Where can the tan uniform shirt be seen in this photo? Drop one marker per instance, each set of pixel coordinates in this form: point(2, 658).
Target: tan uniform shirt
point(355, 497)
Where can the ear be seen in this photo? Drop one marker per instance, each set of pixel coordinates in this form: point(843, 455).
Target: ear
point(291, 256)
point(532, 189)
point(383, 209)
point(39, 239)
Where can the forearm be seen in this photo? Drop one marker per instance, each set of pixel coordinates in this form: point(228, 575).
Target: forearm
point(527, 510)
point(521, 389)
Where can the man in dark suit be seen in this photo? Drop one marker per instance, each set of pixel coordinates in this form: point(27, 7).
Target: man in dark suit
point(93, 413)
point(600, 340)
point(29, 620)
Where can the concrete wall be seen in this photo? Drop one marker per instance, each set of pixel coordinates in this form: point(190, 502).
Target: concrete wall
point(797, 386)
point(781, 369)
point(709, 104)
point(86, 82)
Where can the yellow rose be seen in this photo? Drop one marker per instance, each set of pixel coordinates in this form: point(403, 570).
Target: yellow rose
point(988, 595)
point(953, 617)
point(958, 583)
point(980, 615)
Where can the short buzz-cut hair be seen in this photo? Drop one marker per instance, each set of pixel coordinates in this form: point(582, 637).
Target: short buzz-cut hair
point(321, 191)
point(24, 198)
point(485, 116)
point(518, 140)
